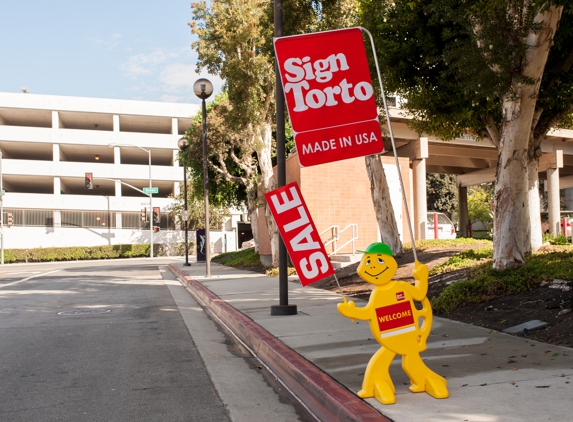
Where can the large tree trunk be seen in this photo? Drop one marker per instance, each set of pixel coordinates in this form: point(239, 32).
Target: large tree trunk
point(382, 205)
point(511, 225)
point(512, 234)
point(264, 143)
point(252, 209)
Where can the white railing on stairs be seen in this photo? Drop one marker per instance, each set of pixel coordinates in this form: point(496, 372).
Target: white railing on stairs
point(335, 237)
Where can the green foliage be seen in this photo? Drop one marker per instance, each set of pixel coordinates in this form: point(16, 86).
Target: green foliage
point(76, 253)
point(422, 245)
point(224, 141)
point(233, 42)
point(560, 239)
point(274, 272)
point(479, 203)
point(464, 259)
point(243, 258)
point(487, 283)
point(247, 258)
point(461, 65)
point(454, 61)
point(482, 234)
point(196, 212)
point(442, 192)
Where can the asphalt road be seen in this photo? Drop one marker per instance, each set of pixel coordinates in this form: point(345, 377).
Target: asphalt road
point(116, 341)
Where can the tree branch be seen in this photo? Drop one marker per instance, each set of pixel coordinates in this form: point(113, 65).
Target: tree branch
point(492, 129)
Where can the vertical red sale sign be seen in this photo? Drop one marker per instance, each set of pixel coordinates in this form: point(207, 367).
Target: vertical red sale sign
point(299, 234)
point(329, 95)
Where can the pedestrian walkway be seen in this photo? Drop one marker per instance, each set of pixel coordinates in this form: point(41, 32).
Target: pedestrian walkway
point(321, 356)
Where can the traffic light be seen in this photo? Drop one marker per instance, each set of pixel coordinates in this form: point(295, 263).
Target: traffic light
point(144, 215)
point(155, 229)
point(156, 216)
point(89, 181)
point(9, 219)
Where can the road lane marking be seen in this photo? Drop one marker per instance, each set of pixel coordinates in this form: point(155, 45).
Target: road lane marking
point(31, 277)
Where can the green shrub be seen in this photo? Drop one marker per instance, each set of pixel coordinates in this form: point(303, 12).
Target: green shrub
point(464, 259)
point(446, 243)
point(244, 258)
point(481, 234)
point(74, 253)
point(485, 283)
point(274, 272)
point(560, 239)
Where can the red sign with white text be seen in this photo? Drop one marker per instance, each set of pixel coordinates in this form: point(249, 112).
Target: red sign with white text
point(395, 316)
point(329, 95)
point(299, 234)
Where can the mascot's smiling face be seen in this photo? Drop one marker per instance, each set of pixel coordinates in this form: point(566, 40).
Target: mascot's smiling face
point(377, 266)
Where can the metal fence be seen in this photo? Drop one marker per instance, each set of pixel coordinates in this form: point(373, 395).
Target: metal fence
point(91, 219)
point(88, 219)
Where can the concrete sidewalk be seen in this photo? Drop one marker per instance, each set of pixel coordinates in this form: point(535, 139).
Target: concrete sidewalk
point(321, 356)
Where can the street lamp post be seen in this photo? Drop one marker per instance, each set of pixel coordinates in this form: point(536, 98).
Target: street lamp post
point(203, 89)
point(1, 209)
point(283, 308)
point(183, 145)
point(150, 194)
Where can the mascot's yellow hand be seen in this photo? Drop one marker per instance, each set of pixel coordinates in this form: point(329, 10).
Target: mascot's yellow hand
point(346, 308)
point(346, 304)
point(420, 271)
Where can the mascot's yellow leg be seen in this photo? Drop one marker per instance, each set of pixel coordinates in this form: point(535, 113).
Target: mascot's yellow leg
point(383, 393)
point(377, 382)
point(423, 378)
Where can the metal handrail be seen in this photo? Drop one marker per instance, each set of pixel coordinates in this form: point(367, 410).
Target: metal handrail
point(335, 236)
point(354, 228)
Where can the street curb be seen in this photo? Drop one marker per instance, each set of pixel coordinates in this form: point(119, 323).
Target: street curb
point(325, 397)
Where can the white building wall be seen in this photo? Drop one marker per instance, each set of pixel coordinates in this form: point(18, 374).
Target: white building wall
point(49, 143)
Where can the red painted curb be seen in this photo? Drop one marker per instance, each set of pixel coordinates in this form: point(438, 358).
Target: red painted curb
point(324, 396)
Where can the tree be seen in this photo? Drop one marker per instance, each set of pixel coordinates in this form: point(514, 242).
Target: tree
point(441, 192)
point(235, 42)
point(196, 211)
point(232, 164)
point(480, 66)
point(479, 203)
point(230, 44)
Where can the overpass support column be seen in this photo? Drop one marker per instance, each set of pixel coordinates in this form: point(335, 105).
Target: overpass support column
point(463, 216)
point(420, 195)
point(553, 200)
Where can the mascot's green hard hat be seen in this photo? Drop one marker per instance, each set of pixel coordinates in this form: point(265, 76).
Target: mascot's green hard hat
point(379, 247)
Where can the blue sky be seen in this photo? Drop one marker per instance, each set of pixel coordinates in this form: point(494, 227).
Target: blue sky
point(121, 49)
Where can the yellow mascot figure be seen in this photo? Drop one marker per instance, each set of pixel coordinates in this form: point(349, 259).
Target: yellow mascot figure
point(398, 326)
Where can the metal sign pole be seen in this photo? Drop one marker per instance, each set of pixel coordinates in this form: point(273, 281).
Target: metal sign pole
point(283, 308)
point(393, 144)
